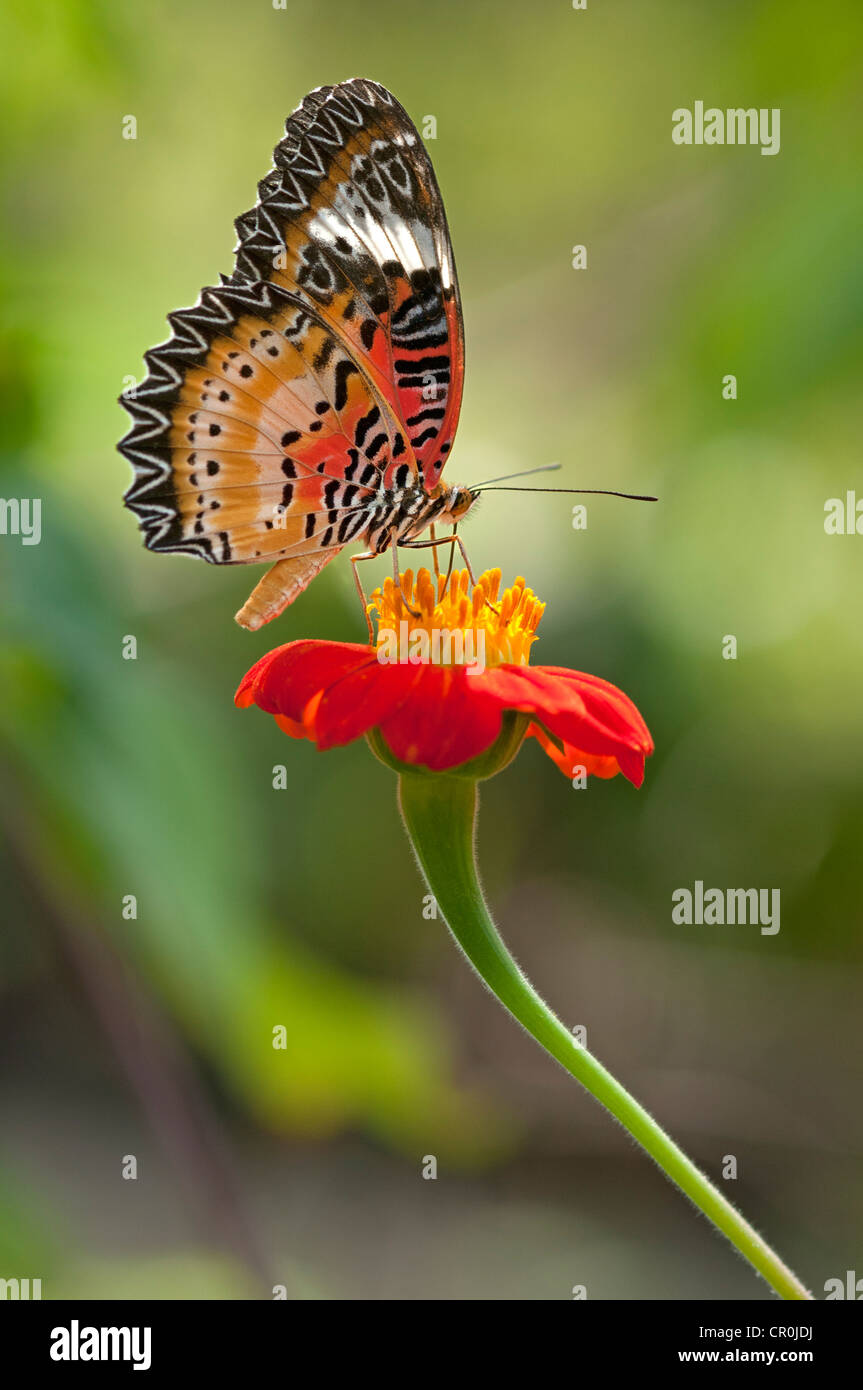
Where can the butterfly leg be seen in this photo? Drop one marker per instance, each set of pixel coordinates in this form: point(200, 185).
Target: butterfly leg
point(444, 540)
point(414, 612)
point(455, 538)
point(460, 543)
point(452, 541)
point(365, 555)
point(434, 552)
point(372, 555)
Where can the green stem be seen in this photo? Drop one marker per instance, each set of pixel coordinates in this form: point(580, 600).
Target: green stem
point(440, 815)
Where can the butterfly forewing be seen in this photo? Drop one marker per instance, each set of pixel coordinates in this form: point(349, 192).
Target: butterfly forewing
point(351, 218)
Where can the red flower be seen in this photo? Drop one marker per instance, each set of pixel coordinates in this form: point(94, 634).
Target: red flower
point(440, 716)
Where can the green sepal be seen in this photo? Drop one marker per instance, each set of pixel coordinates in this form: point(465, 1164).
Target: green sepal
point(501, 753)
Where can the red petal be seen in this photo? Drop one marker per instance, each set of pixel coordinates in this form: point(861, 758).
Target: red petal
point(569, 758)
point(598, 693)
point(587, 713)
point(362, 700)
point(284, 680)
point(450, 718)
point(290, 726)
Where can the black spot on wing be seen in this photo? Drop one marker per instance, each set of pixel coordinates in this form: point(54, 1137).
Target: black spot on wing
point(344, 370)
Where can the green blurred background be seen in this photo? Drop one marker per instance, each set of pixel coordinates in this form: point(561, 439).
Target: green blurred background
point(302, 907)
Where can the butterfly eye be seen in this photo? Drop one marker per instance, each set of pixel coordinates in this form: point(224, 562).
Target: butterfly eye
point(461, 499)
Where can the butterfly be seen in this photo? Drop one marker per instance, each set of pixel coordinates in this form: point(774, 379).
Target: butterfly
point(310, 399)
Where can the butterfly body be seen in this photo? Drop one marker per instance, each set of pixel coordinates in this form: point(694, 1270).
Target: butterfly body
point(401, 515)
point(310, 400)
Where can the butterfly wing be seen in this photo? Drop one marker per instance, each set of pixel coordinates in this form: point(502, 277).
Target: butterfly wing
point(351, 219)
point(328, 367)
point(256, 435)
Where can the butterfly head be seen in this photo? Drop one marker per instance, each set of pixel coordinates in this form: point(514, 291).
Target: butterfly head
point(459, 500)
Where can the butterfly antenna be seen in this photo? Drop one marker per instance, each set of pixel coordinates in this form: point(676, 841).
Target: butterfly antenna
point(591, 491)
point(528, 472)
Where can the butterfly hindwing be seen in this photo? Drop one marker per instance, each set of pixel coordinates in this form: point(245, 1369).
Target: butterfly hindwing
point(256, 433)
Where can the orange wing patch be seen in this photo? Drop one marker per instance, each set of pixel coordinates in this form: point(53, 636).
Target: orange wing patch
point(260, 437)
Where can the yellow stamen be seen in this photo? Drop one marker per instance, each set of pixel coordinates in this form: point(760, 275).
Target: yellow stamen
point(508, 627)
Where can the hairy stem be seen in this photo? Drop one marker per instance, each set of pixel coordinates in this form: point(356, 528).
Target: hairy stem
point(440, 816)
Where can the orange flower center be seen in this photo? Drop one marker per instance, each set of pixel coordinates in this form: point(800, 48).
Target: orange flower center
point(460, 623)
